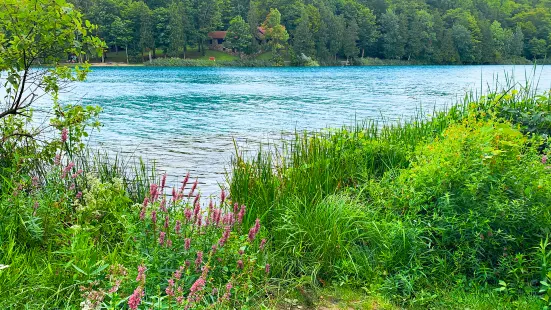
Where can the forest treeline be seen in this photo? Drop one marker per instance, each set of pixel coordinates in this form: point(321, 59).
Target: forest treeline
point(428, 31)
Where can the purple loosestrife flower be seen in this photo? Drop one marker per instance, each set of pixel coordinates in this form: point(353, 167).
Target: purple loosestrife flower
point(262, 244)
point(64, 134)
point(153, 192)
point(198, 286)
point(213, 248)
point(72, 187)
point(67, 169)
point(222, 197)
point(235, 207)
point(227, 294)
point(198, 260)
point(145, 202)
point(169, 243)
point(135, 299)
point(225, 236)
point(167, 219)
point(163, 182)
point(196, 211)
point(174, 196)
point(162, 236)
point(178, 227)
point(75, 175)
point(240, 264)
point(187, 243)
point(241, 214)
point(544, 159)
point(154, 216)
point(254, 230)
point(170, 288)
point(187, 214)
point(216, 216)
point(142, 214)
point(141, 274)
point(162, 207)
point(267, 268)
point(79, 195)
point(196, 199)
point(193, 187)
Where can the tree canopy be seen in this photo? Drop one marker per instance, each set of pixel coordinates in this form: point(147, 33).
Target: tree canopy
point(432, 31)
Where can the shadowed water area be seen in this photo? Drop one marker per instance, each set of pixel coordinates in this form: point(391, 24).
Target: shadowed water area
point(187, 118)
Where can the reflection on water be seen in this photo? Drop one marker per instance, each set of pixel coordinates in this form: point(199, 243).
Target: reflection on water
point(186, 118)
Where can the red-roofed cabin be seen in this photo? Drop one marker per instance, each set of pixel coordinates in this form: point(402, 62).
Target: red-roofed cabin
point(217, 37)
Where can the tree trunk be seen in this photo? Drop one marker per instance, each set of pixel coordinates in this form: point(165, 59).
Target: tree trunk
point(363, 52)
point(116, 48)
point(102, 56)
point(150, 59)
point(126, 51)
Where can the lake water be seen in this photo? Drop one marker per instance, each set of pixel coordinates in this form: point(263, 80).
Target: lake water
point(186, 119)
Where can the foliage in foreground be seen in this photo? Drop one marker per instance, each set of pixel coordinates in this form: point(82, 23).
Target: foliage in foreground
point(413, 210)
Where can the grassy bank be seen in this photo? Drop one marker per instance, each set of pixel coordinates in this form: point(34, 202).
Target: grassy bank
point(443, 211)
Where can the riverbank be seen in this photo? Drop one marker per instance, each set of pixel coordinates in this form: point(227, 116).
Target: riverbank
point(440, 212)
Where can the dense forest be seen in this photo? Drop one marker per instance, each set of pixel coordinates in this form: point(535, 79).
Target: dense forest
point(428, 31)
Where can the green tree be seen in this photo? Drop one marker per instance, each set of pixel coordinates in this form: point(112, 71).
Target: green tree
point(275, 33)
point(122, 34)
point(516, 46)
point(392, 37)
point(239, 36)
point(176, 29)
point(367, 29)
point(303, 40)
point(538, 48)
point(350, 38)
point(36, 32)
point(463, 41)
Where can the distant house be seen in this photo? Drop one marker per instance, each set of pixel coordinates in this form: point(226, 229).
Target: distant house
point(217, 39)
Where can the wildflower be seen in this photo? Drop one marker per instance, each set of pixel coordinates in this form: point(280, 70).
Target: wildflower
point(254, 230)
point(141, 274)
point(178, 227)
point(241, 214)
point(162, 238)
point(169, 243)
point(178, 273)
point(162, 207)
point(72, 187)
point(163, 181)
point(214, 248)
point(78, 195)
point(267, 268)
point(167, 219)
point(196, 199)
point(174, 196)
point(262, 244)
point(240, 264)
point(199, 222)
point(214, 291)
point(187, 243)
point(187, 214)
point(145, 202)
point(76, 174)
point(193, 187)
point(225, 236)
point(64, 133)
point(135, 299)
point(198, 286)
point(142, 214)
point(196, 211)
point(35, 207)
point(199, 259)
point(170, 288)
point(57, 159)
point(222, 197)
point(153, 192)
point(241, 252)
point(154, 216)
point(67, 169)
point(227, 294)
point(544, 159)
point(235, 207)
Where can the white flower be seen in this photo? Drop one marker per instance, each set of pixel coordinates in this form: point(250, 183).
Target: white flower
point(4, 266)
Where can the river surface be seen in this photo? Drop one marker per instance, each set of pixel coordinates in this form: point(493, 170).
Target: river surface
point(186, 119)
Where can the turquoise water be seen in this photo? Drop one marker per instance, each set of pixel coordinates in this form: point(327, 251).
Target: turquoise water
point(186, 118)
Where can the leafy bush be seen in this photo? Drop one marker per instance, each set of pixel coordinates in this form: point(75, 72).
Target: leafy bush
point(178, 62)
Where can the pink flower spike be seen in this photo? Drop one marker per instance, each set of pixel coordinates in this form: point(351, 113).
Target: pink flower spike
point(187, 243)
point(193, 188)
point(199, 260)
point(178, 227)
point(222, 197)
point(241, 214)
point(141, 274)
point(240, 264)
point(544, 159)
point(162, 238)
point(145, 202)
point(154, 216)
point(64, 134)
point(267, 268)
point(262, 244)
point(135, 299)
point(79, 195)
point(163, 205)
point(153, 192)
point(163, 181)
point(167, 222)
